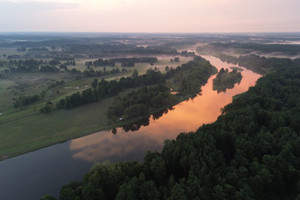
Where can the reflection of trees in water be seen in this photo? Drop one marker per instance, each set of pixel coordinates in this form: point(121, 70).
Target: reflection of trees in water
point(136, 125)
point(158, 114)
point(142, 122)
point(225, 87)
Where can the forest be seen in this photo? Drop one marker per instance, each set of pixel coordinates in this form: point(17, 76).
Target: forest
point(188, 79)
point(290, 49)
point(139, 103)
point(251, 152)
point(125, 62)
point(259, 64)
point(226, 80)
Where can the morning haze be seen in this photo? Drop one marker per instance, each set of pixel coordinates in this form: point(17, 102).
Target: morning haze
point(150, 15)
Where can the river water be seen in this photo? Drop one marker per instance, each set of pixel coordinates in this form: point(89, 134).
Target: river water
point(34, 174)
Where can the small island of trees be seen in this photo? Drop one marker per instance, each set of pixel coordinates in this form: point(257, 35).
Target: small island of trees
point(226, 80)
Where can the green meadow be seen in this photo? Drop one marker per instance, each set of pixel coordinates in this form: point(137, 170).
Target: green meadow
point(25, 129)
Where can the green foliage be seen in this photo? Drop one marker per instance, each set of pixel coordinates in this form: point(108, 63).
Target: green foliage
point(251, 152)
point(189, 78)
point(26, 100)
point(103, 89)
point(258, 64)
point(48, 107)
point(55, 84)
point(291, 49)
point(226, 80)
point(141, 103)
point(125, 62)
point(196, 74)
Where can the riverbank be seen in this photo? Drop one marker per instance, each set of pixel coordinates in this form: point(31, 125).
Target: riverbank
point(34, 130)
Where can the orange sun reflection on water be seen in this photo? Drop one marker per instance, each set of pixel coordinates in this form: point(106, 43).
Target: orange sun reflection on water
point(185, 117)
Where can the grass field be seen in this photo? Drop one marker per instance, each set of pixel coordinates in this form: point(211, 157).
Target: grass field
point(5, 95)
point(30, 130)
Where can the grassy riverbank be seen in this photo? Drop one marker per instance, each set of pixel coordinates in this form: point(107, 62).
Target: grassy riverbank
point(26, 129)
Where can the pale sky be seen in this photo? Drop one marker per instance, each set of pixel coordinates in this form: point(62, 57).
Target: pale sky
point(150, 15)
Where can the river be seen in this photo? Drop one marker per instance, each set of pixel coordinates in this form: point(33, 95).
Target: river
point(34, 174)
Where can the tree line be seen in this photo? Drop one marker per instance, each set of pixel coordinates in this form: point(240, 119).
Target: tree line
point(109, 49)
point(26, 100)
point(141, 103)
point(258, 64)
point(103, 89)
point(198, 71)
point(125, 62)
point(33, 66)
point(291, 49)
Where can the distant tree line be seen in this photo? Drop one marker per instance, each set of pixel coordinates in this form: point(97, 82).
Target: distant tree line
point(100, 50)
point(125, 62)
point(97, 73)
point(291, 49)
point(258, 64)
point(37, 49)
point(55, 84)
point(187, 53)
point(32, 66)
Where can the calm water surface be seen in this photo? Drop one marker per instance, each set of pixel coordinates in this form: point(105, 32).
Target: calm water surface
point(32, 175)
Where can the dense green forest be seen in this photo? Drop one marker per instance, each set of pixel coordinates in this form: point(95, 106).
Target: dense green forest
point(251, 152)
point(226, 80)
point(188, 78)
point(141, 103)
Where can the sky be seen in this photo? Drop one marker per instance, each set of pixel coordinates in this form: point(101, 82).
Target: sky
point(180, 16)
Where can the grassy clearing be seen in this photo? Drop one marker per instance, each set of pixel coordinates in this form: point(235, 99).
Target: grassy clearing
point(29, 130)
point(5, 95)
